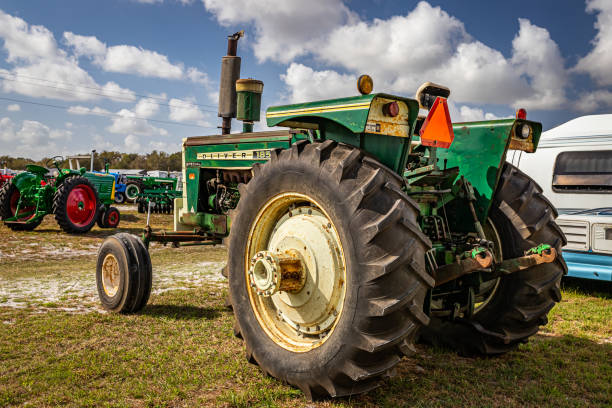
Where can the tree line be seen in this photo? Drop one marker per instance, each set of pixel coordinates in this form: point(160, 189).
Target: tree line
point(150, 161)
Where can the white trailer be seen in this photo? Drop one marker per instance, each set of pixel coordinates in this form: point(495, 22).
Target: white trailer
point(573, 166)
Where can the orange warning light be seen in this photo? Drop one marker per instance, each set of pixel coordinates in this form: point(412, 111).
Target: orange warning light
point(437, 130)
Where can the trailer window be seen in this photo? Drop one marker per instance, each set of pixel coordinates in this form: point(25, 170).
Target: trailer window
point(583, 172)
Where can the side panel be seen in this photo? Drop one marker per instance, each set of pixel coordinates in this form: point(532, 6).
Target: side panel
point(588, 265)
point(105, 184)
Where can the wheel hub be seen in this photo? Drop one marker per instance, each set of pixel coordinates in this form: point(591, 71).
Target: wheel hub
point(272, 272)
point(110, 275)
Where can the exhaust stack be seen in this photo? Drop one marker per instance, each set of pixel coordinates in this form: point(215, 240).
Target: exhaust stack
point(230, 72)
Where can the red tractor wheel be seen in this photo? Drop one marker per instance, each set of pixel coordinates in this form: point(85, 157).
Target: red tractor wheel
point(109, 218)
point(75, 205)
point(9, 197)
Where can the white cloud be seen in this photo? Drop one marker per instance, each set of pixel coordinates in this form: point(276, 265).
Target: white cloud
point(132, 144)
point(128, 59)
point(83, 110)
point(197, 76)
point(183, 2)
point(538, 57)
point(7, 130)
point(469, 114)
point(306, 84)
point(283, 29)
point(400, 52)
point(100, 143)
point(597, 63)
point(113, 91)
point(185, 111)
point(85, 45)
point(41, 69)
point(125, 59)
point(146, 108)
point(33, 133)
point(26, 43)
point(35, 138)
point(164, 146)
point(594, 101)
point(399, 48)
point(13, 108)
point(127, 123)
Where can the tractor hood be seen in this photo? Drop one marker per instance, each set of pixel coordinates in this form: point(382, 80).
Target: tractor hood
point(355, 113)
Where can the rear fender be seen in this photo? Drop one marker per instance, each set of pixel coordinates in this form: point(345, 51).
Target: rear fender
point(479, 152)
point(26, 180)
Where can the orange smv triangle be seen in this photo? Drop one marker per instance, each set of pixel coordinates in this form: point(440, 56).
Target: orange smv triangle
point(437, 130)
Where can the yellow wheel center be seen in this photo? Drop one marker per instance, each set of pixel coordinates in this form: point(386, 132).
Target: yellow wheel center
point(110, 275)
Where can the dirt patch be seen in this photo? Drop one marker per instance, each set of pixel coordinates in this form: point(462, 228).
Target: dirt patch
point(76, 291)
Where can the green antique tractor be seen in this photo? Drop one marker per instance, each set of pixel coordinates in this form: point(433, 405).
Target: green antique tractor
point(77, 198)
point(357, 229)
point(137, 186)
point(156, 193)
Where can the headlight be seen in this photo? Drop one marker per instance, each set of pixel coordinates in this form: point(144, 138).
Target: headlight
point(523, 131)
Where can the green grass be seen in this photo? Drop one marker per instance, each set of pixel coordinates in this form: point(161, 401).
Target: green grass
point(180, 350)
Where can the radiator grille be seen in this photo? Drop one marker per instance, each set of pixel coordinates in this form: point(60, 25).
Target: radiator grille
point(577, 234)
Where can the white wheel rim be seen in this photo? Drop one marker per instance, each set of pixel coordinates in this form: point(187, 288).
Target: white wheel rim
point(304, 320)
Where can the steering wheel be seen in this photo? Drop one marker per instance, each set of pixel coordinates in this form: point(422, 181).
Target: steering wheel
point(54, 161)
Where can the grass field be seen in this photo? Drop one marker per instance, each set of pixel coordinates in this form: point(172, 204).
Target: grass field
point(58, 348)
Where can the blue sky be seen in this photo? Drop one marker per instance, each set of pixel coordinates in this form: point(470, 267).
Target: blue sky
point(138, 75)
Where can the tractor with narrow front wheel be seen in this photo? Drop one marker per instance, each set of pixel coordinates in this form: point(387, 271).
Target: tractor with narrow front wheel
point(357, 230)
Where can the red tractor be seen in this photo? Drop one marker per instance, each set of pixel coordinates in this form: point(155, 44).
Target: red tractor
point(5, 176)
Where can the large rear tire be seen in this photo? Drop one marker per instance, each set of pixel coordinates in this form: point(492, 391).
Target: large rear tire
point(123, 274)
point(75, 205)
point(9, 196)
point(519, 303)
point(364, 284)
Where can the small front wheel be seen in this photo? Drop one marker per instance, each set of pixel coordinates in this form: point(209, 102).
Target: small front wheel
point(119, 198)
point(123, 274)
point(109, 218)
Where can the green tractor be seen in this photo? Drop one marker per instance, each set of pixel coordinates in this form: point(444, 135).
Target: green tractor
point(357, 230)
point(78, 199)
point(137, 186)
